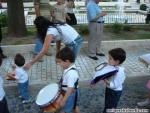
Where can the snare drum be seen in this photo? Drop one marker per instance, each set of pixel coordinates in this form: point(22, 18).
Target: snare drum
point(49, 97)
point(103, 71)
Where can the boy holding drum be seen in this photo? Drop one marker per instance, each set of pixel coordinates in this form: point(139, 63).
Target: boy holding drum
point(69, 81)
point(114, 84)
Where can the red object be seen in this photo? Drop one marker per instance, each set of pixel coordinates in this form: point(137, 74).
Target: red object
point(148, 85)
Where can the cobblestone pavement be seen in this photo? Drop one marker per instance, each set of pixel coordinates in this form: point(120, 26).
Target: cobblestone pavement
point(47, 71)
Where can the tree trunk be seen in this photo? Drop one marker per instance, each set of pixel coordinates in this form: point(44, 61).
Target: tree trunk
point(16, 19)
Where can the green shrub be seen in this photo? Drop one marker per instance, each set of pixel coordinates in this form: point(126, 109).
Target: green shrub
point(117, 27)
point(83, 29)
point(127, 27)
point(3, 20)
point(143, 7)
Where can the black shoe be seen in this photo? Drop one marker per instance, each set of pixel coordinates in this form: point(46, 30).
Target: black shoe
point(94, 58)
point(3, 56)
point(100, 54)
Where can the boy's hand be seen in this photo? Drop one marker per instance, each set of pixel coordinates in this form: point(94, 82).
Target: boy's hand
point(62, 103)
point(106, 82)
point(92, 85)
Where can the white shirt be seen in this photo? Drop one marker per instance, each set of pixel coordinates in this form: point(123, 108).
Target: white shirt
point(70, 77)
point(2, 92)
point(21, 75)
point(117, 80)
point(67, 35)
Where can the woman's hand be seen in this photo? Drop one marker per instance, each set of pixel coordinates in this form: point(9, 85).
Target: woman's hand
point(27, 66)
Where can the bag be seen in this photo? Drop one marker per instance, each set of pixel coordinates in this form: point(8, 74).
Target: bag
point(148, 85)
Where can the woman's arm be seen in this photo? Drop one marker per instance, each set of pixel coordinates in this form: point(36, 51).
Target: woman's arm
point(58, 46)
point(46, 45)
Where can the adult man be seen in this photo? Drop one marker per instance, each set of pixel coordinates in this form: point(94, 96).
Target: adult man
point(42, 8)
point(95, 19)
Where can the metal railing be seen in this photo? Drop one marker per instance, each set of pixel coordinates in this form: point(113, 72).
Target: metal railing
point(129, 18)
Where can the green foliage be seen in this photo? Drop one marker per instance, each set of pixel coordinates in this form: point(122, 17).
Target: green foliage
point(83, 29)
point(127, 27)
point(138, 1)
point(143, 7)
point(117, 27)
point(3, 20)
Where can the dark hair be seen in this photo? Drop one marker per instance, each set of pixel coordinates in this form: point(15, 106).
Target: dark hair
point(66, 54)
point(1, 60)
point(19, 60)
point(118, 54)
point(42, 24)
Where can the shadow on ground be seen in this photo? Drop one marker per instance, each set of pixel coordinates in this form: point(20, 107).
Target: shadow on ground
point(91, 99)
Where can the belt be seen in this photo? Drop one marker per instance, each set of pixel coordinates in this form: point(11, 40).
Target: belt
point(78, 39)
point(100, 22)
point(97, 21)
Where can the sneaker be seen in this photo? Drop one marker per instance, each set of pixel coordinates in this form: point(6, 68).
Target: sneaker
point(20, 97)
point(26, 101)
point(94, 58)
point(3, 56)
point(100, 54)
point(144, 103)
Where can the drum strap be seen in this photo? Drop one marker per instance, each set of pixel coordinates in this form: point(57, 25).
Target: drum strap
point(75, 85)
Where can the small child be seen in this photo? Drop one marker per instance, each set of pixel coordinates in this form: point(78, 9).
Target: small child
point(114, 84)
point(69, 81)
point(58, 13)
point(22, 78)
point(3, 101)
point(147, 100)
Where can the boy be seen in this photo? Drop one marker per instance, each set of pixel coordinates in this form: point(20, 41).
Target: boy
point(69, 81)
point(114, 84)
point(22, 77)
point(3, 101)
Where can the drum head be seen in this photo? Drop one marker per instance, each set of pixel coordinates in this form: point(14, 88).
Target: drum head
point(47, 94)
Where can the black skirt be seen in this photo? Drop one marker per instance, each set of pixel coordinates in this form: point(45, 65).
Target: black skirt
point(73, 20)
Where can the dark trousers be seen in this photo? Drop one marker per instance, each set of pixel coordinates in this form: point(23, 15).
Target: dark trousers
point(4, 106)
point(147, 18)
point(111, 99)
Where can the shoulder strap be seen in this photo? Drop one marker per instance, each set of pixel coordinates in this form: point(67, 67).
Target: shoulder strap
point(76, 83)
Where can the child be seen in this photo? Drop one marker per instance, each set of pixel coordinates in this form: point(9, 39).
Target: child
point(3, 101)
point(22, 77)
point(58, 13)
point(114, 84)
point(69, 81)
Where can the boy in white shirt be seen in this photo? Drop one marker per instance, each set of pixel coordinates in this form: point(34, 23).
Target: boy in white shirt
point(21, 76)
point(114, 84)
point(69, 81)
point(3, 101)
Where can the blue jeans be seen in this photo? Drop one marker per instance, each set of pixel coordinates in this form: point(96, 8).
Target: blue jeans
point(75, 46)
point(70, 103)
point(23, 90)
point(38, 45)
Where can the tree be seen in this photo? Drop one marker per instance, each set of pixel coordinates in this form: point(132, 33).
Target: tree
point(16, 19)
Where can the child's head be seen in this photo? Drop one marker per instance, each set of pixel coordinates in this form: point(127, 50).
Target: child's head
point(19, 60)
point(60, 1)
point(65, 57)
point(116, 56)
